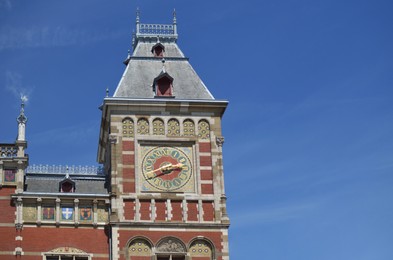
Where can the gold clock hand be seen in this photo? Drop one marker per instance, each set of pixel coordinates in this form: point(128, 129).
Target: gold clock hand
point(168, 167)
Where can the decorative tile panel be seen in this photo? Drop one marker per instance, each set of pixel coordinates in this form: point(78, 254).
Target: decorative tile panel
point(139, 247)
point(143, 126)
point(173, 127)
point(203, 129)
point(158, 127)
point(128, 127)
point(188, 128)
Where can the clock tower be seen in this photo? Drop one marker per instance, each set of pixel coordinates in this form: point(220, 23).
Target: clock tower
point(161, 145)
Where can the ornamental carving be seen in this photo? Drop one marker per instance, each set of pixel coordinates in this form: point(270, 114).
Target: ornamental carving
point(67, 250)
point(220, 141)
point(172, 245)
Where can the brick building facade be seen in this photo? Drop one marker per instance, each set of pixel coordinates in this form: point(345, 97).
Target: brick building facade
point(160, 191)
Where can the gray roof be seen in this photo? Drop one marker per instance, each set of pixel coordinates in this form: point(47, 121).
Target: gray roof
point(49, 183)
point(143, 67)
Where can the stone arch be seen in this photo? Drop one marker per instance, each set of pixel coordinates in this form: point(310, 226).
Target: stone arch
point(201, 248)
point(128, 127)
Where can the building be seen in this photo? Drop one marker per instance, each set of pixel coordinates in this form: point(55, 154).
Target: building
point(160, 191)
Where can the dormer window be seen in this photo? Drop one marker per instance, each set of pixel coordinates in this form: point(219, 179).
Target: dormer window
point(67, 185)
point(163, 85)
point(158, 50)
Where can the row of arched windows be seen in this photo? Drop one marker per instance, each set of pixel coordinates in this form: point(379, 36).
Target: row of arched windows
point(171, 128)
point(170, 247)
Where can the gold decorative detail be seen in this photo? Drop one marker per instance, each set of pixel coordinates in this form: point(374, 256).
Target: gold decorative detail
point(143, 126)
point(173, 127)
point(29, 213)
point(188, 128)
point(158, 127)
point(203, 129)
point(128, 128)
point(200, 248)
point(139, 247)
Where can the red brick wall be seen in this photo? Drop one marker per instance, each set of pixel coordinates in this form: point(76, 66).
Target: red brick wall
point(206, 175)
point(7, 238)
point(204, 147)
point(192, 210)
point(43, 239)
point(207, 188)
point(7, 212)
point(128, 146)
point(145, 209)
point(177, 211)
point(205, 160)
point(129, 209)
point(208, 210)
point(160, 210)
point(128, 159)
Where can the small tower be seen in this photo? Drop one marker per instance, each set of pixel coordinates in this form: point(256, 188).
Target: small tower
point(161, 142)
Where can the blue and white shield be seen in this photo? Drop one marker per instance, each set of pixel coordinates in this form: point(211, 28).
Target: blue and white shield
point(67, 213)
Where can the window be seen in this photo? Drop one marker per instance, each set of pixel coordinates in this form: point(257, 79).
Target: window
point(158, 50)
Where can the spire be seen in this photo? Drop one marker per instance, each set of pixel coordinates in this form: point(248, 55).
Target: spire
point(137, 15)
point(22, 119)
point(174, 22)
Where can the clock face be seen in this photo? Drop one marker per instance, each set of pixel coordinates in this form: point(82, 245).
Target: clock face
point(166, 168)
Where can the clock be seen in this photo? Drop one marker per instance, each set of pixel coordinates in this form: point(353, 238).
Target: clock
point(167, 169)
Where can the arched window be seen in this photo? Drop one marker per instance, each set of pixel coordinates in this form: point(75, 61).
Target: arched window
point(158, 127)
point(158, 50)
point(128, 127)
point(201, 249)
point(170, 248)
point(188, 127)
point(203, 129)
point(143, 126)
point(173, 127)
point(140, 249)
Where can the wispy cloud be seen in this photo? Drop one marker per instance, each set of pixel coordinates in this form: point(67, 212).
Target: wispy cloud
point(13, 83)
point(5, 5)
point(34, 37)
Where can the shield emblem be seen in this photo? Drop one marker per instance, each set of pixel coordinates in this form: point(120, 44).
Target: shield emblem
point(85, 213)
point(67, 213)
point(48, 213)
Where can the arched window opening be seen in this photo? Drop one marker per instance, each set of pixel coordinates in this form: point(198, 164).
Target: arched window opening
point(140, 249)
point(201, 249)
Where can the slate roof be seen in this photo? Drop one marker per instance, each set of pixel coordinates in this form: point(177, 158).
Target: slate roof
point(143, 67)
point(49, 183)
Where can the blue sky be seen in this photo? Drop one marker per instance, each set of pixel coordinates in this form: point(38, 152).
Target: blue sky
point(308, 151)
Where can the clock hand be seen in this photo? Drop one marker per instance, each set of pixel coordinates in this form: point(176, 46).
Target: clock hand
point(163, 169)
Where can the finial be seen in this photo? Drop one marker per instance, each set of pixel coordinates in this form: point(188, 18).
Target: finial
point(22, 119)
point(158, 38)
point(107, 92)
point(174, 16)
point(137, 14)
